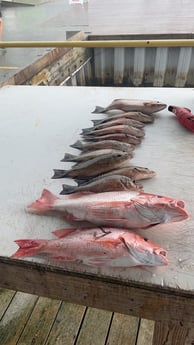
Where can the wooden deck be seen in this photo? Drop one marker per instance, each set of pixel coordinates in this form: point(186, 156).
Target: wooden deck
point(28, 319)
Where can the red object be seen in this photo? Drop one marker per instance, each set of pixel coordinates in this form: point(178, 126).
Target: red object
point(184, 116)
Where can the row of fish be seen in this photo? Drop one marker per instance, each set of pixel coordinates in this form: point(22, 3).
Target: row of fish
point(111, 244)
point(108, 147)
point(107, 197)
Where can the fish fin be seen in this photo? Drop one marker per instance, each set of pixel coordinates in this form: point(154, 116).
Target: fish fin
point(77, 145)
point(28, 248)
point(188, 109)
point(64, 232)
point(98, 110)
point(87, 130)
point(63, 258)
point(59, 173)
point(68, 157)
point(79, 195)
point(44, 203)
point(96, 122)
point(68, 189)
point(107, 242)
point(95, 261)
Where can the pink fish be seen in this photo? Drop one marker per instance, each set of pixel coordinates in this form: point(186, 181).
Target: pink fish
point(184, 116)
point(123, 209)
point(108, 247)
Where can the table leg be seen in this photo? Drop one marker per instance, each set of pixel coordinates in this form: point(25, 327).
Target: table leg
point(173, 333)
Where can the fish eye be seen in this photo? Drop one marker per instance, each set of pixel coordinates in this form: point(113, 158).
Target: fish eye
point(146, 239)
point(159, 196)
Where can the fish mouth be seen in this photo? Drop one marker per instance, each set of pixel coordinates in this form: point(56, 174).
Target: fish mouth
point(180, 203)
point(162, 254)
point(180, 212)
point(162, 106)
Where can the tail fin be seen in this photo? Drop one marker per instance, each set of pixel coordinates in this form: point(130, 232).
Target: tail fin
point(68, 189)
point(96, 122)
point(68, 157)
point(98, 110)
point(59, 173)
point(44, 203)
point(77, 145)
point(28, 248)
point(87, 130)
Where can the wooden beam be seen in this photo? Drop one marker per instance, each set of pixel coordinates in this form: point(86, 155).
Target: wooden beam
point(132, 298)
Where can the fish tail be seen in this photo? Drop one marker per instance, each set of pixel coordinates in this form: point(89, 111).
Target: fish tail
point(68, 189)
point(68, 157)
point(98, 110)
point(28, 248)
point(96, 122)
point(77, 145)
point(44, 203)
point(59, 173)
point(87, 130)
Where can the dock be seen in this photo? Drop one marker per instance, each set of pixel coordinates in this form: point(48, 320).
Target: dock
point(28, 319)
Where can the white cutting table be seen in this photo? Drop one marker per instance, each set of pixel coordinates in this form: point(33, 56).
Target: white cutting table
point(37, 126)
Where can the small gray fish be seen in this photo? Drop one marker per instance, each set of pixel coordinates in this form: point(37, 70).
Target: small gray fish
point(91, 154)
point(114, 129)
point(103, 144)
point(133, 115)
point(146, 106)
point(104, 184)
point(98, 124)
point(135, 173)
point(94, 166)
point(127, 138)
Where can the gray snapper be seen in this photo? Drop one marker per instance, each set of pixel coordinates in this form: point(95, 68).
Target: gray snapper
point(103, 144)
point(104, 184)
point(68, 157)
point(145, 106)
point(94, 166)
point(114, 129)
point(135, 173)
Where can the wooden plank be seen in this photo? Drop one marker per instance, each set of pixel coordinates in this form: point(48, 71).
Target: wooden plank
point(145, 334)
point(40, 322)
point(123, 330)
point(15, 318)
point(132, 298)
point(173, 334)
point(30, 71)
point(66, 325)
point(94, 328)
point(5, 299)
